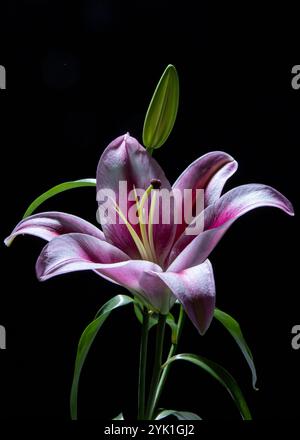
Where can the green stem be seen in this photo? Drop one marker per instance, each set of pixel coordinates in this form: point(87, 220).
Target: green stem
point(143, 363)
point(172, 351)
point(157, 365)
point(150, 150)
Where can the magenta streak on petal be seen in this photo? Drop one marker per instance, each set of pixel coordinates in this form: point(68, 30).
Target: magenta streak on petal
point(222, 218)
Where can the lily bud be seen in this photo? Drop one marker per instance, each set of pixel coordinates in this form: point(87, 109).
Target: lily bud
point(162, 111)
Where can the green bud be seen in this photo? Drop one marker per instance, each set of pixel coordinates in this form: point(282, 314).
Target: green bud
point(162, 111)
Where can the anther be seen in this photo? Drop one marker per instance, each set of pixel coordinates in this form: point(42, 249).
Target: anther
point(156, 183)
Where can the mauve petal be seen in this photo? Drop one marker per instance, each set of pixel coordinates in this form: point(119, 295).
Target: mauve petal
point(156, 291)
point(126, 160)
point(136, 275)
point(48, 225)
point(199, 173)
point(74, 252)
point(129, 273)
point(216, 184)
point(195, 289)
point(190, 250)
point(206, 173)
point(242, 199)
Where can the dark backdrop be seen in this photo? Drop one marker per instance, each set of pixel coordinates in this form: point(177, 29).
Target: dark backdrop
point(79, 75)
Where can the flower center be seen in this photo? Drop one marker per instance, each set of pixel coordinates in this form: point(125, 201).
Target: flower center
point(147, 233)
point(144, 242)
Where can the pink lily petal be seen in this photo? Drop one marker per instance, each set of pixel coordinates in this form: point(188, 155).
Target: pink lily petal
point(216, 184)
point(190, 250)
point(126, 160)
point(48, 225)
point(195, 289)
point(76, 252)
point(156, 291)
point(210, 173)
point(130, 275)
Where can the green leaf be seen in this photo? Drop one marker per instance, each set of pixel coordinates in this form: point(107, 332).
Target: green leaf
point(138, 313)
point(234, 329)
point(221, 375)
point(162, 111)
point(86, 341)
point(56, 190)
point(153, 319)
point(180, 415)
point(173, 326)
point(119, 417)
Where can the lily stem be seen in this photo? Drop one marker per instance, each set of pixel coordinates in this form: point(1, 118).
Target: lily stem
point(157, 365)
point(142, 366)
point(172, 352)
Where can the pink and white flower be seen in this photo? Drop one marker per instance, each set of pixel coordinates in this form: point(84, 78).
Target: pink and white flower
point(156, 262)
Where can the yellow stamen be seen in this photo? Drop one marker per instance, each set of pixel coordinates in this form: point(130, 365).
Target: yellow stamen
point(132, 232)
point(140, 210)
point(150, 223)
point(141, 222)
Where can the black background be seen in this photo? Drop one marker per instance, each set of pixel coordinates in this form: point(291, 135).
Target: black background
point(79, 75)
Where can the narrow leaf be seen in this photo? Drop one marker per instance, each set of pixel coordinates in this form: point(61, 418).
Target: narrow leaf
point(86, 341)
point(173, 326)
point(180, 415)
point(56, 190)
point(162, 111)
point(234, 329)
point(221, 375)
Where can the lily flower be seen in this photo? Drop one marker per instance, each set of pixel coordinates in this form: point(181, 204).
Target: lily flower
point(156, 262)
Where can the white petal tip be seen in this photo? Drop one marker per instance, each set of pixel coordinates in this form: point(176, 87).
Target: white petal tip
point(8, 241)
